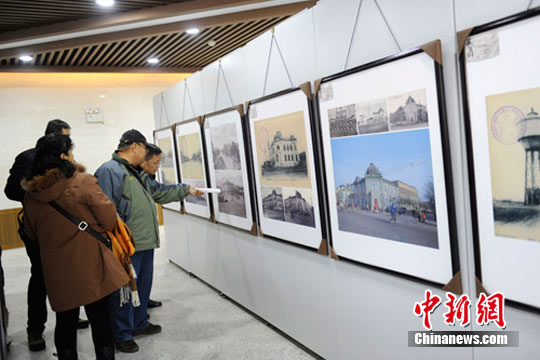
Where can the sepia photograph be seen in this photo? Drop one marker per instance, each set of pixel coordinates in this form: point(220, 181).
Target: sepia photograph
point(372, 116)
point(231, 199)
point(191, 157)
point(514, 148)
point(282, 151)
point(272, 202)
point(385, 189)
point(225, 150)
point(199, 200)
point(342, 121)
point(167, 168)
point(408, 110)
point(298, 206)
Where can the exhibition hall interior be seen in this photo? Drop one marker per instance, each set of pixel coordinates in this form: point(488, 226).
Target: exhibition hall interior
point(270, 179)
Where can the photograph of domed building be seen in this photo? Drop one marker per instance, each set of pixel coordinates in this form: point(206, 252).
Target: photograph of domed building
point(386, 191)
point(514, 149)
point(408, 110)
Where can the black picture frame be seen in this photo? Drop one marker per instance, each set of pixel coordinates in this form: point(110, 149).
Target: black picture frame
point(170, 128)
point(496, 24)
point(248, 160)
point(316, 163)
point(445, 144)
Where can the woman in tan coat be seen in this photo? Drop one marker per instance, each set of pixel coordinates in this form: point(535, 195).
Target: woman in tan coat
point(78, 269)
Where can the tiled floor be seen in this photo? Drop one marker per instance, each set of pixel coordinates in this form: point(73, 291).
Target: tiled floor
point(197, 322)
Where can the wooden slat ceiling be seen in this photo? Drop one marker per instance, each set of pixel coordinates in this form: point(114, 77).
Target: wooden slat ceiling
point(21, 14)
point(124, 51)
point(174, 49)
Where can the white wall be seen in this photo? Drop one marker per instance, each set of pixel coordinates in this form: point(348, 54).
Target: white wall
point(28, 102)
point(340, 310)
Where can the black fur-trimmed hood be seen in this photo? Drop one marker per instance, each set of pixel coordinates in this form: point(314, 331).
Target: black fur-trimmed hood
point(49, 186)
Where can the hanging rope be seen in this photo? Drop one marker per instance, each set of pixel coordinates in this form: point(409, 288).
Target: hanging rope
point(388, 25)
point(352, 36)
point(268, 63)
point(530, 3)
point(222, 72)
point(190, 100)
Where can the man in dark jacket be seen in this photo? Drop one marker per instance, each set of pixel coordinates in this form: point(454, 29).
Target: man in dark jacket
point(37, 293)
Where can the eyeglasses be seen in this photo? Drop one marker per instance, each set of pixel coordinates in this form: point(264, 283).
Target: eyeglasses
point(155, 163)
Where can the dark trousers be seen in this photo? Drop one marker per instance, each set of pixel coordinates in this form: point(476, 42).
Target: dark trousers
point(65, 333)
point(127, 318)
point(37, 293)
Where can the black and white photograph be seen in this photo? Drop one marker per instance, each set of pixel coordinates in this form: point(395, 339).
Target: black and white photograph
point(272, 202)
point(199, 200)
point(372, 116)
point(231, 200)
point(298, 206)
point(225, 150)
point(408, 110)
point(342, 121)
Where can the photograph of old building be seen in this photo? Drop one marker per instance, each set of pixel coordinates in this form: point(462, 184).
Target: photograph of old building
point(408, 110)
point(225, 150)
point(372, 116)
point(231, 199)
point(342, 121)
point(167, 169)
point(514, 151)
point(396, 177)
point(273, 207)
point(191, 165)
point(282, 157)
point(298, 206)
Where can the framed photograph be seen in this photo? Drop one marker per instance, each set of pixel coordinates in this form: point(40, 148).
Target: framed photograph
point(386, 156)
point(192, 165)
point(168, 171)
point(284, 167)
point(228, 168)
point(501, 96)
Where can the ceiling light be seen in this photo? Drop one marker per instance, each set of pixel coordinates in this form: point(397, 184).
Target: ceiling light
point(26, 58)
point(192, 31)
point(212, 43)
point(105, 3)
point(153, 61)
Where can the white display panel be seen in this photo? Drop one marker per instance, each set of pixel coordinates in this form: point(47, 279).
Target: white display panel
point(503, 87)
point(283, 158)
point(383, 154)
point(168, 172)
point(228, 170)
point(192, 165)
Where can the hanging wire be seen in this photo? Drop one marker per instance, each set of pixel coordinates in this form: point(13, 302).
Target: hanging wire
point(222, 73)
point(530, 3)
point(352, 36)
point(268, 63)
point(164, 106)
point(388, 25)
point(190, 100)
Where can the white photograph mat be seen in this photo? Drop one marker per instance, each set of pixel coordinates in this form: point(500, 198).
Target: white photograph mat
point(202, 209)
point(505, 262)
point(159, 137)
point(397, 77)
point(277, 106)
point(233, 119)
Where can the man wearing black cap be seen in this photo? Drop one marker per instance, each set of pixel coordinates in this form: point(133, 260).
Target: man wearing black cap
point(121, 179)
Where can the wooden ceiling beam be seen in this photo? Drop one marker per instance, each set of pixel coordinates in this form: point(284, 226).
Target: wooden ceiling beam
point(95, 69)
point(213, 21)
point(130, 17)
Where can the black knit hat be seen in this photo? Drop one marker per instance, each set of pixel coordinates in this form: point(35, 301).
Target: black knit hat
point(130, 137)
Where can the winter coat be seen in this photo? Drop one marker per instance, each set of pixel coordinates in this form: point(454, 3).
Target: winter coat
point(78, 269)
point(134, 195)
point(17, 173)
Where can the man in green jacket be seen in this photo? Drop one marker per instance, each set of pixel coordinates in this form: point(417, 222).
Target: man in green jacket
point(122, 179)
